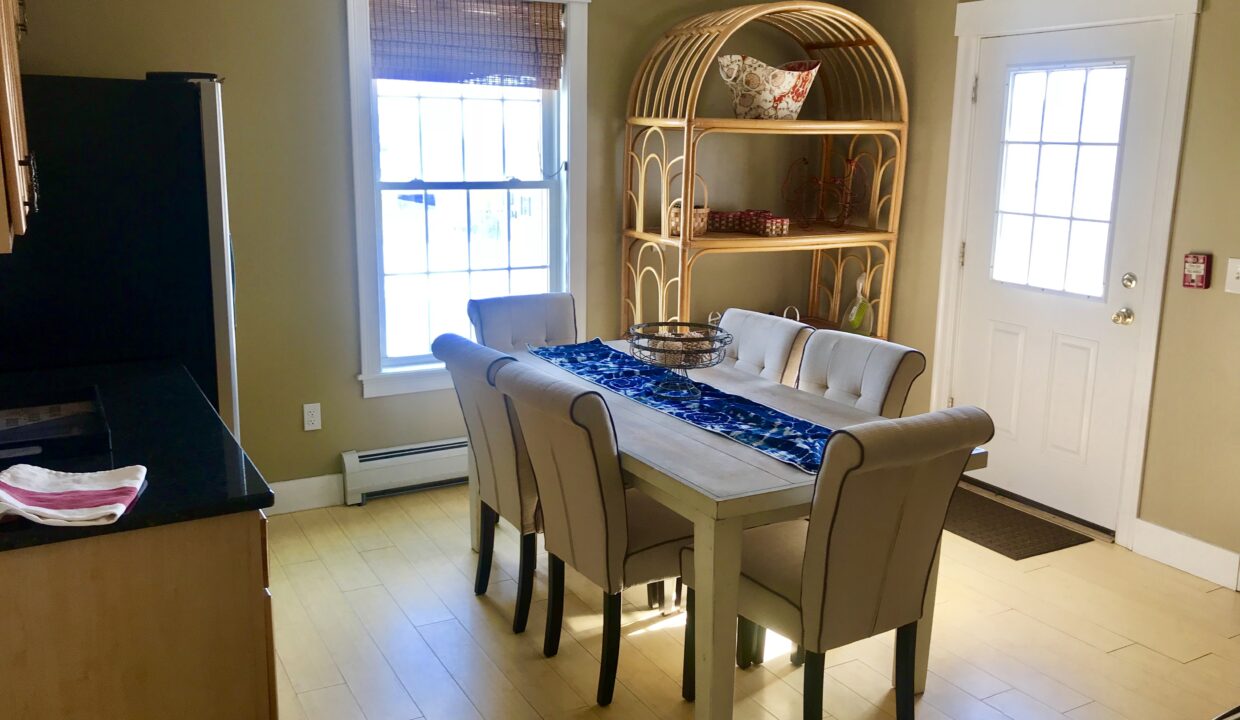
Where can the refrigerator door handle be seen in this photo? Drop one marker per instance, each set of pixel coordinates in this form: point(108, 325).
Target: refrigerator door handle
point(32, 182)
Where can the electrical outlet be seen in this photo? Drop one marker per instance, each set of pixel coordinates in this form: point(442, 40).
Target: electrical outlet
point(1233, 275)
point(311, 417)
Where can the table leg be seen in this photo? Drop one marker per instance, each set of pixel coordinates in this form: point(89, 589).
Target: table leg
point(475, 506)
point(924, 626)
point(717, 567)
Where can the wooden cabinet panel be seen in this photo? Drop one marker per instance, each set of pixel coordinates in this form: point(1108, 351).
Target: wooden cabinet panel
point(172, 621)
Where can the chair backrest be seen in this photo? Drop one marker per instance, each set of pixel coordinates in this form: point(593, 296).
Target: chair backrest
point(765, 345)
point(879, 506)
point(512, 322)
point(572, 444)
point(869, 374)
point(505, 476)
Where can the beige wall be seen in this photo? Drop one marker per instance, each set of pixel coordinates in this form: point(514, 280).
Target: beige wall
point(1192, 473)
point(290, 195)
point(287, 136)
point(1192, 476)
point(289, 181)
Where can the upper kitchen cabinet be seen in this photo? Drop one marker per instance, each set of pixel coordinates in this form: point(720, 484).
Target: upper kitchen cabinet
point(20, 196)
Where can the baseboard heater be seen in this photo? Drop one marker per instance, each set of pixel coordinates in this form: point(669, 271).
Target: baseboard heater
point(389, 470)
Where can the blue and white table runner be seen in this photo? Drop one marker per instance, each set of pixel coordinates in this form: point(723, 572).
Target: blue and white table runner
point(791, 440)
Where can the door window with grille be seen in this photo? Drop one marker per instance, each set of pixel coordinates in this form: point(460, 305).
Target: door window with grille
point(1061, 151)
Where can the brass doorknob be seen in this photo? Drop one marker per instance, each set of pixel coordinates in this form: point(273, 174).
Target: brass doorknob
point(1123, 316)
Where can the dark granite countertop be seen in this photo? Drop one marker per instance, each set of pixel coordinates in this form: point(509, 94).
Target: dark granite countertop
point(158, 418)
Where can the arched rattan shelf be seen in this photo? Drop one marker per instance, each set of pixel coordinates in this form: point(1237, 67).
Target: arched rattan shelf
point(864, 124)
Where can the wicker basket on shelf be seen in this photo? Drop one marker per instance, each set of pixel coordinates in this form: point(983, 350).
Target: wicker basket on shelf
point(701, 213)
point(701, 216)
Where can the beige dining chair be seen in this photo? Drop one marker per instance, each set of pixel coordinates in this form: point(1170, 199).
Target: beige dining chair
point(864, 372)
point(867, 373)
point(505, 477)
point(765, 345)
point(615, 537)
point(862, 563)
point(512, 322)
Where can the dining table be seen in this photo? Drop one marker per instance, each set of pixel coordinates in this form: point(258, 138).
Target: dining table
point(723, 487)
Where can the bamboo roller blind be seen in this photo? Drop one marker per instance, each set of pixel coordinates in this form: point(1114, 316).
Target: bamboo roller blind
point(491, 42)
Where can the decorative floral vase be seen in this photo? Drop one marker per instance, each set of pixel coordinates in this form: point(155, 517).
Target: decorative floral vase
point(763, 92)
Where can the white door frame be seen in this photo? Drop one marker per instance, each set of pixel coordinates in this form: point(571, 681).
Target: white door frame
point(994, 18)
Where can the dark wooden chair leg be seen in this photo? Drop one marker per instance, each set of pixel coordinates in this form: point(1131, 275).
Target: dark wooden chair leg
point(654, 594)
point(687, 675)
point(744, 643)
point(611, 648)
point(815, 666)
point(798, 656)
point(525, 581)
point(555, 605)
point(680, 588)
point(759, 644)
point(906, 659)
point(486, 548)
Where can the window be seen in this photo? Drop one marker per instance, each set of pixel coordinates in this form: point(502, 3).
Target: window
point(1060, 154)
point(470, 192)
point(464, 115)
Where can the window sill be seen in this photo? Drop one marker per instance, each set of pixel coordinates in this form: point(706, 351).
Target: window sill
point(404, 381)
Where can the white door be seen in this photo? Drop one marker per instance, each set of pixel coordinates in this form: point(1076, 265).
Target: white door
point(1062, 180)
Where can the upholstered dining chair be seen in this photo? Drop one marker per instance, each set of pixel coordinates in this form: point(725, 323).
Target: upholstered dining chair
point(869, 374)
point(861, 565)
point(512, 322)
point(765, 345)
point(505, 477)
point(615, 537)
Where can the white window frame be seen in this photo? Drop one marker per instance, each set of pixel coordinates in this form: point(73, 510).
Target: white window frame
point(376, 380)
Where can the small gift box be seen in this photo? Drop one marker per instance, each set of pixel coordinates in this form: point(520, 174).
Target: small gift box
point(724, 221)
point(752, 220)
point(771, 226)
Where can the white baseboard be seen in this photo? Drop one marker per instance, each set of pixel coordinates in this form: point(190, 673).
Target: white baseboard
point(307, 493)
point(1189, 554)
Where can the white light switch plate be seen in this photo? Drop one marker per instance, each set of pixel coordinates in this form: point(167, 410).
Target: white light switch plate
point(1233, 275)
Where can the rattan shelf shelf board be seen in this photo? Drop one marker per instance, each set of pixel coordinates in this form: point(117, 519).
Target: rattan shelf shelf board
point(774, 127)
point(817, 237)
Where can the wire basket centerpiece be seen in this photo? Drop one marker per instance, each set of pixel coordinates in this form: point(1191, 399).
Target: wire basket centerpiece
point(678, 347)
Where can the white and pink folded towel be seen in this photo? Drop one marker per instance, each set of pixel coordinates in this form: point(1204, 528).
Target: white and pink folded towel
point(50, 497)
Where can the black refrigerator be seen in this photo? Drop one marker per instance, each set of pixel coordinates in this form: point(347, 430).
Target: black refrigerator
point(128, 257)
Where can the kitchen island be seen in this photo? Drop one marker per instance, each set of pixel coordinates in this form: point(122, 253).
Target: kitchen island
point(165, 613)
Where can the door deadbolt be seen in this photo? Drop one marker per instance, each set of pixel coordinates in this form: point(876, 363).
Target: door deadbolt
point(1129, 280)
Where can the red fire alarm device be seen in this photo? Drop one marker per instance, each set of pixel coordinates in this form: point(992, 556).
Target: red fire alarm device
point(1197, 270)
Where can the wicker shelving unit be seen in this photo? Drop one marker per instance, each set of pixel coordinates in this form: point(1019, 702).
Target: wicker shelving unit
point(853, 224)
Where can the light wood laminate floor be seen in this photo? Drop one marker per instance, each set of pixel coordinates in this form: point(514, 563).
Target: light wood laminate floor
point(375, 618)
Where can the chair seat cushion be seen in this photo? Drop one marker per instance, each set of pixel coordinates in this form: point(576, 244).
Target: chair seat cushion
point(770, 587)
point(656, 537)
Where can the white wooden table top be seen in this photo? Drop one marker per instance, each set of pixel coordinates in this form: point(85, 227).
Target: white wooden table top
point(715, 475)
